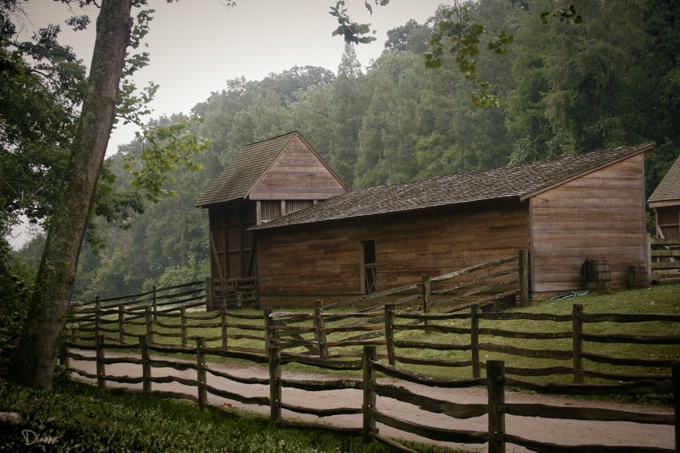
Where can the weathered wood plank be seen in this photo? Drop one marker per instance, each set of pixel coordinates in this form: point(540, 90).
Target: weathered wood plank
point(441, 434)
point(457, 410)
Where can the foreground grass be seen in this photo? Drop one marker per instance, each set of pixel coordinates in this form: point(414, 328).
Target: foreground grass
point(78, 417)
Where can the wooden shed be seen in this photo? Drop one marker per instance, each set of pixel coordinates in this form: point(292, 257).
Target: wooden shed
point(666, 204)
point(564, 211)
point(265, 181)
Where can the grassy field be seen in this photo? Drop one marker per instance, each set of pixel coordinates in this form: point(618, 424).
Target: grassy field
point(663, 299)
point(658, 299)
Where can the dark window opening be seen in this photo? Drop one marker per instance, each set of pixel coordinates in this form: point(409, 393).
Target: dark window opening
point(368, 267)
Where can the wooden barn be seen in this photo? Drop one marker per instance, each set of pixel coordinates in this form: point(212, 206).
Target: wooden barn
point(564, 211)
point(265, 181)
point(666, 204)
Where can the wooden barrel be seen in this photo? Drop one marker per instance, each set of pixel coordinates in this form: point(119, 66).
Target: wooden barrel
point(601, 279)
point(638, 277)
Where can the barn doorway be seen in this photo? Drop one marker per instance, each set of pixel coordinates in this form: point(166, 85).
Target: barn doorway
point(368, 267)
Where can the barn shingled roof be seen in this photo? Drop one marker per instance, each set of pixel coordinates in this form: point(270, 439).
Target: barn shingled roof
point(668, 190)
point(245, 170)
point(514, 182)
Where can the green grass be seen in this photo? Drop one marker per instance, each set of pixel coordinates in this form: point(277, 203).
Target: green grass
point(78, 417)
point(663, 299)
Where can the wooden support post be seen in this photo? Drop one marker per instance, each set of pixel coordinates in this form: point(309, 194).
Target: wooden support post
point(369, 425)
point(183, 325)
point(149, 324)
point(577, 342)
point(209, 302)
point(101, 367)
point(154, 302)
point(146, 365)
point(319, 325)
point(524, 278)
point(223, 322)
point(200, 373)
point(268, 330)
point(474, 341)
point(389, 333)
point(121, 324)
point(63, 355)
point(427, 298)
point(275, 383)
point(676, 402)
point(97, 316)
point(495, 374)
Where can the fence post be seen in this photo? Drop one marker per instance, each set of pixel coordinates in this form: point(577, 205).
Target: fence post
point(183, 325)
point(223, 321)
point(97, 316)
point(319, 325)
point(523, 278)
point(149, 324)
point(101, 367)
point(154, 302)
point(63, 355)
point(369, 425)
point(676, 402)
point(200, 373)
point(577, 342)
point(146, 365)
point(427, 298)
point(121, 324)
point(209, 303)
point(495, 374)
point(474, 341)
point(268, 330)
point(275, 383)
point(389, 333)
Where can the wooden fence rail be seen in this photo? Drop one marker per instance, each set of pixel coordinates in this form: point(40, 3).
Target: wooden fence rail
point(336, 336)
point(496, 381)
point(665, 260)
point(575, 356)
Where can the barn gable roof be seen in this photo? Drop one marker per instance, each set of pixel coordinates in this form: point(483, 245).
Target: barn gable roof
point(515, 182)
point(249, 166)
point(667, 193)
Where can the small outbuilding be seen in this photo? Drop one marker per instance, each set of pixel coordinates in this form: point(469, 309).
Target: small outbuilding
point(666, 204)
point(564, 211)
point(265, 181)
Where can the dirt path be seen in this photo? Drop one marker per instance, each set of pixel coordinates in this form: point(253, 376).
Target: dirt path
point(563, 432)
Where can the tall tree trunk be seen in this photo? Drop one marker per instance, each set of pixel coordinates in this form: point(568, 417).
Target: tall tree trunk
point(35, 357)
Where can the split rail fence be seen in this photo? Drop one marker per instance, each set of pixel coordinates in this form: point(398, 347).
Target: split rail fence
point(665, 257)
point(277, 336)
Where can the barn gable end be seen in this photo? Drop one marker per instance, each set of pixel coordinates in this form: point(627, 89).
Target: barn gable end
point(297, 173)
point(666, 204)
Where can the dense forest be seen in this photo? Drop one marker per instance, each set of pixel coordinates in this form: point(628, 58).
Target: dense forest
point(567, 87)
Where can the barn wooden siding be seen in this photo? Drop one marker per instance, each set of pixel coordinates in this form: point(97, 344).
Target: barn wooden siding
point(598, 215)
point(297, 174)
point(232, 255)
point(302, 264)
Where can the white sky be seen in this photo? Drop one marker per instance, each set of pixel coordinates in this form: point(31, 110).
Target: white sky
point(197, 45)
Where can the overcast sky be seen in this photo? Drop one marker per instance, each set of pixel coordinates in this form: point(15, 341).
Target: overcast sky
point(197, 45)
